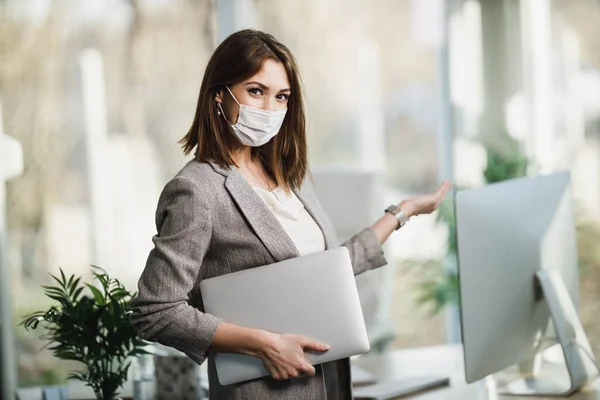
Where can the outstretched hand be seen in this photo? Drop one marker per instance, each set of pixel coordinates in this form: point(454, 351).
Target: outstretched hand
point(425, 204)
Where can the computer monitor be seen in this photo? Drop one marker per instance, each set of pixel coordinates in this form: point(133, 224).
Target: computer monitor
point(518, 270)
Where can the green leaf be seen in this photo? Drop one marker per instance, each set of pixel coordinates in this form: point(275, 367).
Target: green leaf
point(74, 286)
point(64, 279)
point(52, 289)
point(31, 323)
point(60, 299)
point(60, 283)
point(68, 355)
point(97, 293)
point(79, 375)
point(77, 293)
point(98, 268)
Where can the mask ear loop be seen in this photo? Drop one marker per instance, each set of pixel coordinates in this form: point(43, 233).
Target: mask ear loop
point(220, 111)
point(220, 107)
point(234, 99)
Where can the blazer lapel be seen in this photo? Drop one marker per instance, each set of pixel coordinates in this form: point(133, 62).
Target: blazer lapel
point(262, 220)
point(265, 224)
point(313, 207)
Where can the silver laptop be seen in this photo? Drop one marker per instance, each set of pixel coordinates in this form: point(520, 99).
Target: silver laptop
point(313, 296)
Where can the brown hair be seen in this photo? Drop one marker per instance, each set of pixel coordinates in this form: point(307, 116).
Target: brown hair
point(239, 57)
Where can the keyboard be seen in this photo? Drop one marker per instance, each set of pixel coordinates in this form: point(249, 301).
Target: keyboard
point(398, 388)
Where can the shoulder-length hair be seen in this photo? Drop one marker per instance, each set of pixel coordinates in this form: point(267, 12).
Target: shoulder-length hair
point(238, 58)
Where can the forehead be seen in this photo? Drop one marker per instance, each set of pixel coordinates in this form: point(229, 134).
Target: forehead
point(272, 74)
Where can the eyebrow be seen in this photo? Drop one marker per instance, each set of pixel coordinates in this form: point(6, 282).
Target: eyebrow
point(264, 87)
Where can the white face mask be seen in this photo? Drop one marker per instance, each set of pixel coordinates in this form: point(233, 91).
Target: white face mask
point(254, 126)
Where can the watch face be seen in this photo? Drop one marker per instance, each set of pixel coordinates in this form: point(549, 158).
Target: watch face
point(392, 209)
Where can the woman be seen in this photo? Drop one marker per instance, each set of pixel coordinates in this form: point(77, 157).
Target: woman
point(245, 200)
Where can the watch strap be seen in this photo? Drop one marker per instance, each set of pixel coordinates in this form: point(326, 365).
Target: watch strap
point(400, 216)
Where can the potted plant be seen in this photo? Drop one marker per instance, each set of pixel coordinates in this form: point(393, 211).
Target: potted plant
point(92, 328)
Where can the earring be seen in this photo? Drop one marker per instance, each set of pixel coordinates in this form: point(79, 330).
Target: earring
point(218, 109)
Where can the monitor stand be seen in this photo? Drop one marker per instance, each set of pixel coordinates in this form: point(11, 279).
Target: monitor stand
point(571, 338)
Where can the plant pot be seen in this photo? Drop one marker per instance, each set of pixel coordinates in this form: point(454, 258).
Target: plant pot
point(177, 376)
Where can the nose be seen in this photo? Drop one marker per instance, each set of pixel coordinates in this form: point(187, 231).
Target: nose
point(270, 104)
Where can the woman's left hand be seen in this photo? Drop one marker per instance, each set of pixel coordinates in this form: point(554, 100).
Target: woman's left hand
point(425, 204)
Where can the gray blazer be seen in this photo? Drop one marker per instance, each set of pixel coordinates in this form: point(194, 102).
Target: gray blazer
point(210, 222)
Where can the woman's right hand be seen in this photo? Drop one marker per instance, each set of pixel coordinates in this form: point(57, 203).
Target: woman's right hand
point(283, 355)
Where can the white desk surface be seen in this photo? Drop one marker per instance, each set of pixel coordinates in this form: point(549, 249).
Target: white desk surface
point(444, 360)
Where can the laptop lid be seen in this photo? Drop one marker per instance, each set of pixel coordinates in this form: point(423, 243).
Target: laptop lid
point(313, 296)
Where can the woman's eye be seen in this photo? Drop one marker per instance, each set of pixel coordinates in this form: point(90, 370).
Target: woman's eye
point(283, 97)
point(255, 91)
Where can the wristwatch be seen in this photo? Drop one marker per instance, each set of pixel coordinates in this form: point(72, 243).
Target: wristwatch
point(400, 216)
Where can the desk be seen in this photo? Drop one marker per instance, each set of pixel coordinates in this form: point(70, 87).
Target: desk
point(77, 390)
point(444, 360)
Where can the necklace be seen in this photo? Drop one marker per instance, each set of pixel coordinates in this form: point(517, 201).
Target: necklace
point(271, 190)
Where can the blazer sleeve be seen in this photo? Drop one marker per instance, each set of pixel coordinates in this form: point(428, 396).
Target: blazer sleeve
point(365, 251)
point(160, 310)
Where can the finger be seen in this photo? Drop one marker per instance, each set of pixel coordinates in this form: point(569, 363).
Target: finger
point(308, 370)
point(309, 344)
point(282, 373)
point(444, 187)
point(272, 370)
point(443, 191)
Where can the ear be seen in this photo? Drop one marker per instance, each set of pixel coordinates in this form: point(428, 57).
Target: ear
point(219, 96)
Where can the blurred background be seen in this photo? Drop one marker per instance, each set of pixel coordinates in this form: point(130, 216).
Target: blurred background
point(400, 94)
